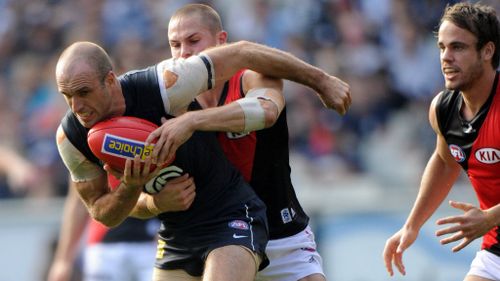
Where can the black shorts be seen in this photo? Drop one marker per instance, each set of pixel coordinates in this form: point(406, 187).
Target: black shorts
point(246, 226)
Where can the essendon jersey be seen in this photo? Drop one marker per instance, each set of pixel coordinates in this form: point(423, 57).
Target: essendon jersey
point(475, 145)
point(263, 159)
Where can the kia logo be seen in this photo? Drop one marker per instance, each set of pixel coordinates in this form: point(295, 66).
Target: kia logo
point(488, 155)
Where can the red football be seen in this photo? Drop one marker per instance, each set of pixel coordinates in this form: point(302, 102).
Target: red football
point(115, 140)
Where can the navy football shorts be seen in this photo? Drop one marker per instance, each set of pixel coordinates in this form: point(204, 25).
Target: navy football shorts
point(245, 226)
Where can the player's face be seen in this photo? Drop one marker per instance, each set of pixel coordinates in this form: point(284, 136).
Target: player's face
point(188, 36)
point(461, 63)
point(86, 94)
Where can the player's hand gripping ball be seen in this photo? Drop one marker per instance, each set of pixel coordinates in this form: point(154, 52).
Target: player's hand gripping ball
point(115, 140)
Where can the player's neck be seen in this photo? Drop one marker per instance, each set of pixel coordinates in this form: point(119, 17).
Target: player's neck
point(118, 105)
point(477, 95)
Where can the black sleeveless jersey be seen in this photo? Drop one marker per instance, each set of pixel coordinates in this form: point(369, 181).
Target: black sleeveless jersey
point(219, 186)
point(456, 131)
point(263, 158)
point(475, 145)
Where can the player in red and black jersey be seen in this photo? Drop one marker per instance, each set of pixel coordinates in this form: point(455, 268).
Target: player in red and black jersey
point(249, 113)
point(466, 118)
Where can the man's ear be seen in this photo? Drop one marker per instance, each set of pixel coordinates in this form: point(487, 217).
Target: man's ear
point(488, 51)
point(110, 78)
point(222, 37)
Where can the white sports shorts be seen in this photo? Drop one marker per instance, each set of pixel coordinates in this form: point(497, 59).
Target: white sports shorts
point(292, 258)
point(486, 265)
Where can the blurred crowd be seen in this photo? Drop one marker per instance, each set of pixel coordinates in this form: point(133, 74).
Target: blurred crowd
point(385, 49)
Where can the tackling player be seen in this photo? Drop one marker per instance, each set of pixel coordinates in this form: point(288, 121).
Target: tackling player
point(252, 118)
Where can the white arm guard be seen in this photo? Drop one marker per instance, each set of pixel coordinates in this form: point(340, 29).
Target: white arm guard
point(255, 116)
point(261, 94)
point(181, 80)
point(80, 168)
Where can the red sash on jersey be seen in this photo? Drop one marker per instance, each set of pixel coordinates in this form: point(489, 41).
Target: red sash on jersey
point(239, 148)
point(484, 164)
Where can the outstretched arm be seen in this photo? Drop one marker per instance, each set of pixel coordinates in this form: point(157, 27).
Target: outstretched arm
point(438, 178)
point(181, 80)
point(229, 58)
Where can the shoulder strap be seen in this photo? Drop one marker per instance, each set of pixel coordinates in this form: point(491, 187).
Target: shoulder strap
point(443, 108)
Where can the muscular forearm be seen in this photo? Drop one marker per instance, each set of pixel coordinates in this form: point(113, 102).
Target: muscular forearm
point(265, 60)
point(437, 181)
point(229, 118)
point(113, 207)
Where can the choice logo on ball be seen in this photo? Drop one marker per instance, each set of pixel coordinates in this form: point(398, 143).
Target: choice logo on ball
point(125, 148)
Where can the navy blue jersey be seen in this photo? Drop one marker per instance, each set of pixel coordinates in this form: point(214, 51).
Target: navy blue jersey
point(221, 191)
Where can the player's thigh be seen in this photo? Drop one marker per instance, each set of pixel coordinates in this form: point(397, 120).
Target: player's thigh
point(476, 278)
point(229, 263)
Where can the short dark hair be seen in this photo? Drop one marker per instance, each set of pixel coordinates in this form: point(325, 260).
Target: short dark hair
point(480, 20)
point(209, 16)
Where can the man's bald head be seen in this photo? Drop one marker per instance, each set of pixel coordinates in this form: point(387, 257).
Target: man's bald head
point(83, 54)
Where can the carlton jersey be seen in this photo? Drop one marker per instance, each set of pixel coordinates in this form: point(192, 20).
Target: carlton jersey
point(221, 191)
point(263, 159)
point(475, 145)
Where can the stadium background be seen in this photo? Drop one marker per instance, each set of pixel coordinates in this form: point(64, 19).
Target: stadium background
point(357, 175)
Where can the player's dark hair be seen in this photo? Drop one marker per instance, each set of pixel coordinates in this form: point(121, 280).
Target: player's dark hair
point(209, 16)
point(480, 20)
